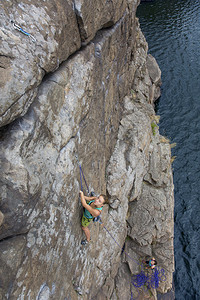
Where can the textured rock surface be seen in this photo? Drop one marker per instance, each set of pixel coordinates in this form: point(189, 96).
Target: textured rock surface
point(134, 178)
point(104, 14)
point(97, 104)
point(1, 218)
point(23, 62)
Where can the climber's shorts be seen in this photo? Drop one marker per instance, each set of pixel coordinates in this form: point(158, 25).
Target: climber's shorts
point(85, 221)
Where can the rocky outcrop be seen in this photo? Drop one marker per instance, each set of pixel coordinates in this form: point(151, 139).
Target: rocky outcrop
point(23, 62)
point(98, 104)
point(141, 188)
point(104, 14)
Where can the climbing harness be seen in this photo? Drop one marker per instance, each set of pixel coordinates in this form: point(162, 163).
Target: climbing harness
point(146, 279)
point(17, 27)
point(96, 219)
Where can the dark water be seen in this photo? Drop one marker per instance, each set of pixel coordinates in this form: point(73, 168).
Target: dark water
point(172, 29)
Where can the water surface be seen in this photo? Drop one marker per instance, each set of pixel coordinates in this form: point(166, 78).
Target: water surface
point(172, 30)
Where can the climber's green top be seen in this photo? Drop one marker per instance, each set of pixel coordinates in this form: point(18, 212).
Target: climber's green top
point(87, 214)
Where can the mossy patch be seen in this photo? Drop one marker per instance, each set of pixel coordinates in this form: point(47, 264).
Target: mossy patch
point(153, 127)
point(173, 159)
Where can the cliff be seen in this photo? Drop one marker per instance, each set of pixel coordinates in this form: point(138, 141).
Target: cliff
point(81, 84)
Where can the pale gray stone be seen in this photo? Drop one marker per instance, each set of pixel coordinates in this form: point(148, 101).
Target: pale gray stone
point(97, 105)
point(1, 218)
point(94, 15)
point(154, 70)
point(24, 62)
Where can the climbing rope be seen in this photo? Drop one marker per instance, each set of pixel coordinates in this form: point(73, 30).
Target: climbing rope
point(17, 27)
point(142, 279)
point(82, 175)
point(122, 249)
point(150, 280)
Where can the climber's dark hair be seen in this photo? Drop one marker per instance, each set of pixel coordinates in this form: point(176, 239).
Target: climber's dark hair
point(105, 197)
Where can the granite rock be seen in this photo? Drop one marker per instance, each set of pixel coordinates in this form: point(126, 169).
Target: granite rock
point(24, 61)
point(97, 105)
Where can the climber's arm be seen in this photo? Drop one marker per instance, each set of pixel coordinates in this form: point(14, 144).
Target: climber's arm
point(94, 212)
point(89, 198)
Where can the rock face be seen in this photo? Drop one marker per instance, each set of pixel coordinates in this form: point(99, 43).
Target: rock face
point(97, 105)
point(24, 62)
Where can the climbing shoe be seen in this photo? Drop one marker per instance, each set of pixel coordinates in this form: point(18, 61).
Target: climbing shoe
point(84, 242)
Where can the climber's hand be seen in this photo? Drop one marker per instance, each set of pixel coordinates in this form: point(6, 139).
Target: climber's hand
point(83, 201)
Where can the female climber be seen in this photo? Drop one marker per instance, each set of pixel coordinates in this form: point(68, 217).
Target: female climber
point(92, 208)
